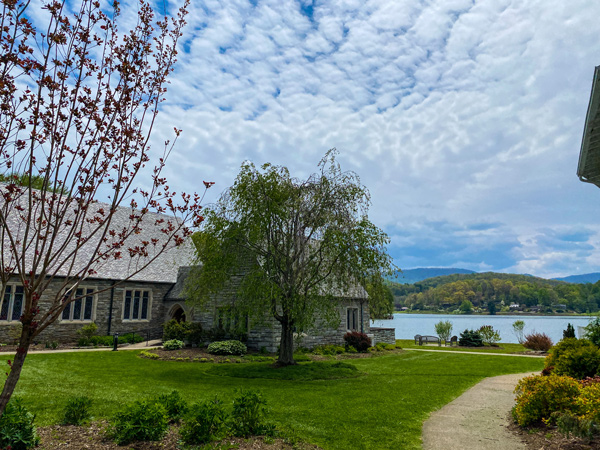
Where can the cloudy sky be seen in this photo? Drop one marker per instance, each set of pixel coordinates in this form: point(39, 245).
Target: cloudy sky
point(463, 118)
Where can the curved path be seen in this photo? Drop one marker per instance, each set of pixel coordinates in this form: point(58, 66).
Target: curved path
point(477, 419)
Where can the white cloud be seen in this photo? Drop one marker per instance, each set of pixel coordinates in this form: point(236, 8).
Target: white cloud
point(458, 111)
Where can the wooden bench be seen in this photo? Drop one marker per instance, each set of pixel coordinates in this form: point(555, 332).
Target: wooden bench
point(427, 339)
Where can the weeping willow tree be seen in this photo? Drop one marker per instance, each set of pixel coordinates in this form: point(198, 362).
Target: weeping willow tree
point(294, 246)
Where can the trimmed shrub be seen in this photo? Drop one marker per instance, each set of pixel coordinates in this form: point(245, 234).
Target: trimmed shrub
point(173, 344)
point(227, 348)
point(174, 404)
point(86, 333)
point(579, 362)
point(107, 341)
point(539, 396)
point(176, 330)
point(488, 335)
point(77, 410)
point(562, 347)
point(204, 422)
point(17, 430)
point(360, 341)
point(470, 338)
point(196, 335)
point(248, 415)
point(538, 342)
point(588, 402)
point(142, 420)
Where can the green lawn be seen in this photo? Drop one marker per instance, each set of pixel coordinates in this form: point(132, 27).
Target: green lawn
point(502, 348)
point(381, 406)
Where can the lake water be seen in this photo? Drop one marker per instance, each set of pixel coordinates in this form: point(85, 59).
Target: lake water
point(407, 325)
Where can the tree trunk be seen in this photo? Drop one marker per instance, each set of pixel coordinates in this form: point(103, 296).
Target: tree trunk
point(286, 346)
point(14, 369)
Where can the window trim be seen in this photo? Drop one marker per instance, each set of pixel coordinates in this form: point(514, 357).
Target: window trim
point(141, 303)
point(71, 306)
point(9, 320)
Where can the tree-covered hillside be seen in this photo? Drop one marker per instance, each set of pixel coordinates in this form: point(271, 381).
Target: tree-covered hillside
point(496, 292)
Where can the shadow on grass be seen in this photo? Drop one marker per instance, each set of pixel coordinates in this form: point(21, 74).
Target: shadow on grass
point(301, 372)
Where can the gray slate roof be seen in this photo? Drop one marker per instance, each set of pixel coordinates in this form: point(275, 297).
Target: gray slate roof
point(588, 169)
point(163, 270)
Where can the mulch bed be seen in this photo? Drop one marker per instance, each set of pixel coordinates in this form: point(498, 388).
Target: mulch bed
point(549, 438)
point(91, 437)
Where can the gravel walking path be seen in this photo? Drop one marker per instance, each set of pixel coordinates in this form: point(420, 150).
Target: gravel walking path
point(477, 419)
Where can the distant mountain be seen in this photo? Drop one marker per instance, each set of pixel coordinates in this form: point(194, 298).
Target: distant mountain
point(410, 276)
point(584, 278)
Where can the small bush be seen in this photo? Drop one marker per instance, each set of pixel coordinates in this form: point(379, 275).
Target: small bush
point(248, 415)
point(470, 338)
point(204, 422)
point(562, 347)
point(579, 363)
point(86, 333)
point(196, 335)
point(539, 396)
point(538, 341)
point(176, 330)
point(227, 348)
point(17, 430)
point(488, 335)
point(360, 341)
point(568, 423)
point(149, 355)
point(174, 404)
point(173, 344)
point(142, 420)
point(77, 410)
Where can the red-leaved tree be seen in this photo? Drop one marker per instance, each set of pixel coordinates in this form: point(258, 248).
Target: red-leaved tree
point(78, 102)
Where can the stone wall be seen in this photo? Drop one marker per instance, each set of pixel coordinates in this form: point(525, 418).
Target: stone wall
point(387, 335)
point(66, 331)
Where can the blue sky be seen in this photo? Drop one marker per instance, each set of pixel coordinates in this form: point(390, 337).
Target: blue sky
point(464, 119)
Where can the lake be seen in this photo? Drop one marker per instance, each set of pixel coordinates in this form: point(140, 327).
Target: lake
point(407, 325)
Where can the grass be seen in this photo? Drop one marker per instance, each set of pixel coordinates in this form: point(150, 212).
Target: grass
point(503, 348)
point(302, 372)
point(383, 408)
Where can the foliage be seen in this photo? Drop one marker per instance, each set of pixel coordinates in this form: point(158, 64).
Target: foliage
point(176, 330)
point(470, 338)
point(569, 332)
point(249, 413)
point(579, 363)
point(538, 342)
point(488, 335)
point(466, 307)
point(17, 430)
point(77, 410)
point(227, 348)
point(588, 402)
point(107, 341)
point(174, 404)
point(444, 329)
point(288, 247)
point(86, 334)
point(149, 355)
point(173, 344)
point(142, 420)
point(519, 330)
point(196, 335)
point(492, 307)
point(563, 346)
point(204, 422)
point(381, 299)
point(360, 341)
point(78, 101)
point(329, 350)
point(539, 396)
point(592, 331)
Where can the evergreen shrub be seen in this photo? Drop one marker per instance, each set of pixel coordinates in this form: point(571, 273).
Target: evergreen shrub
point(470, 338)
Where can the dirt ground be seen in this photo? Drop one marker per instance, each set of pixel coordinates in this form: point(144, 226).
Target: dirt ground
point(545, 438)
point(91, 437)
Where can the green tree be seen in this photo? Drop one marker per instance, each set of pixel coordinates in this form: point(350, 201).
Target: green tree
point(293, 246)
point(491, 307)
point(466, 307)
point(443, 329)
point(519, 329)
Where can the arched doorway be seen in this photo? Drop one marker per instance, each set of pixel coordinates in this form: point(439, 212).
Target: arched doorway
point(178, 314)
